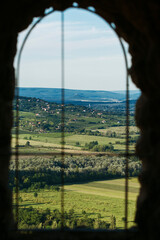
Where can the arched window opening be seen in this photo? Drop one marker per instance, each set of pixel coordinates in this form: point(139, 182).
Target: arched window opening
point(93, 143)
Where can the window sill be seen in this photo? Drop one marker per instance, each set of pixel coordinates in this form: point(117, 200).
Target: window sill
point(74, 234)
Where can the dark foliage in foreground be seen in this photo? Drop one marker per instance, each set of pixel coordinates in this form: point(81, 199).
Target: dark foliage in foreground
point(37, 173)
point(47, 219)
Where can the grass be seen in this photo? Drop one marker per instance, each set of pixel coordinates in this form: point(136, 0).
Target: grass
point(52, 141)
point(82, 139)
point(30, 116)
point(119, 130)
point(99, 197)
point(40, 146)
point(70, 139)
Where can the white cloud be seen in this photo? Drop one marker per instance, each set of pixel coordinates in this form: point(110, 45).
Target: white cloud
point(49, 35)
point(93, 57)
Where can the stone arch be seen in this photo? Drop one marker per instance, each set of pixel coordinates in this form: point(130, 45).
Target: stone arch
point(139, 35)
point(138, 23)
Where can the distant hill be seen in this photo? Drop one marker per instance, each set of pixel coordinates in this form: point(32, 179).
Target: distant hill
point(133, 94)
point(75, 96)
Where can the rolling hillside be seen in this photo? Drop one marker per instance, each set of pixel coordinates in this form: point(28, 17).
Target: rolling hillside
point(54, 95)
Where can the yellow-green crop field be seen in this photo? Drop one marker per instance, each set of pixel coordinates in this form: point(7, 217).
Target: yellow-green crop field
point(98, 198)
point(47, 142)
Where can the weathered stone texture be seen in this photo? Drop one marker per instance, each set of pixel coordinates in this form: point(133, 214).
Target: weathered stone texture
point(138, 22)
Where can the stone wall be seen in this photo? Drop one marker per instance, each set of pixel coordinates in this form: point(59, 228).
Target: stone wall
point(7, 52)
point(138, 23)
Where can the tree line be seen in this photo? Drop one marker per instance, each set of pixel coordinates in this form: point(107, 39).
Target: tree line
point(41, 172)
point(31, 218)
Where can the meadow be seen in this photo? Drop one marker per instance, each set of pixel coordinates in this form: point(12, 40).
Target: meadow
point(87, 192)
point(98, 200)
point(52, 141)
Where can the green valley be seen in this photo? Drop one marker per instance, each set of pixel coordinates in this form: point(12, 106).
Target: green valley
point(40, 121)
point(94, 170)
point(92, 204)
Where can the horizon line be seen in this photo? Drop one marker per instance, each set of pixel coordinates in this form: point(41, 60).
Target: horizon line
point(83, 89)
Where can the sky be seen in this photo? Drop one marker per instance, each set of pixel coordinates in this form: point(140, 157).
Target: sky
point(92, 54)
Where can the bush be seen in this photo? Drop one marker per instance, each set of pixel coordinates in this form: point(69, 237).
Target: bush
point(77, 144)
point(113, 222)
point(27, 144)
point(91, 145)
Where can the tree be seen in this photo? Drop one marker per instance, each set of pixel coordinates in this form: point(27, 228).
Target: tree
point(113, 222)
point(20, 199)
point(27, 144)
point(35, 194)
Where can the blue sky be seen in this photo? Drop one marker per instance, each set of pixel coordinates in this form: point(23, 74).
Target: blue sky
point(93, 56)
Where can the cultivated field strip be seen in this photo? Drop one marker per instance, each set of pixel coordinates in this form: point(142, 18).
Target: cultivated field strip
point(97, 198)
point(105, 188)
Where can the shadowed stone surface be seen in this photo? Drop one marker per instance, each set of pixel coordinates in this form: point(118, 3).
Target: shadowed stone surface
point(138, 22)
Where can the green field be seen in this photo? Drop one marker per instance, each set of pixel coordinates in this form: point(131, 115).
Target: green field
point(40, 132)
point(82, 126)
point(98, 198)
point(70, 139)
point(120, 130)
point(52, 141)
